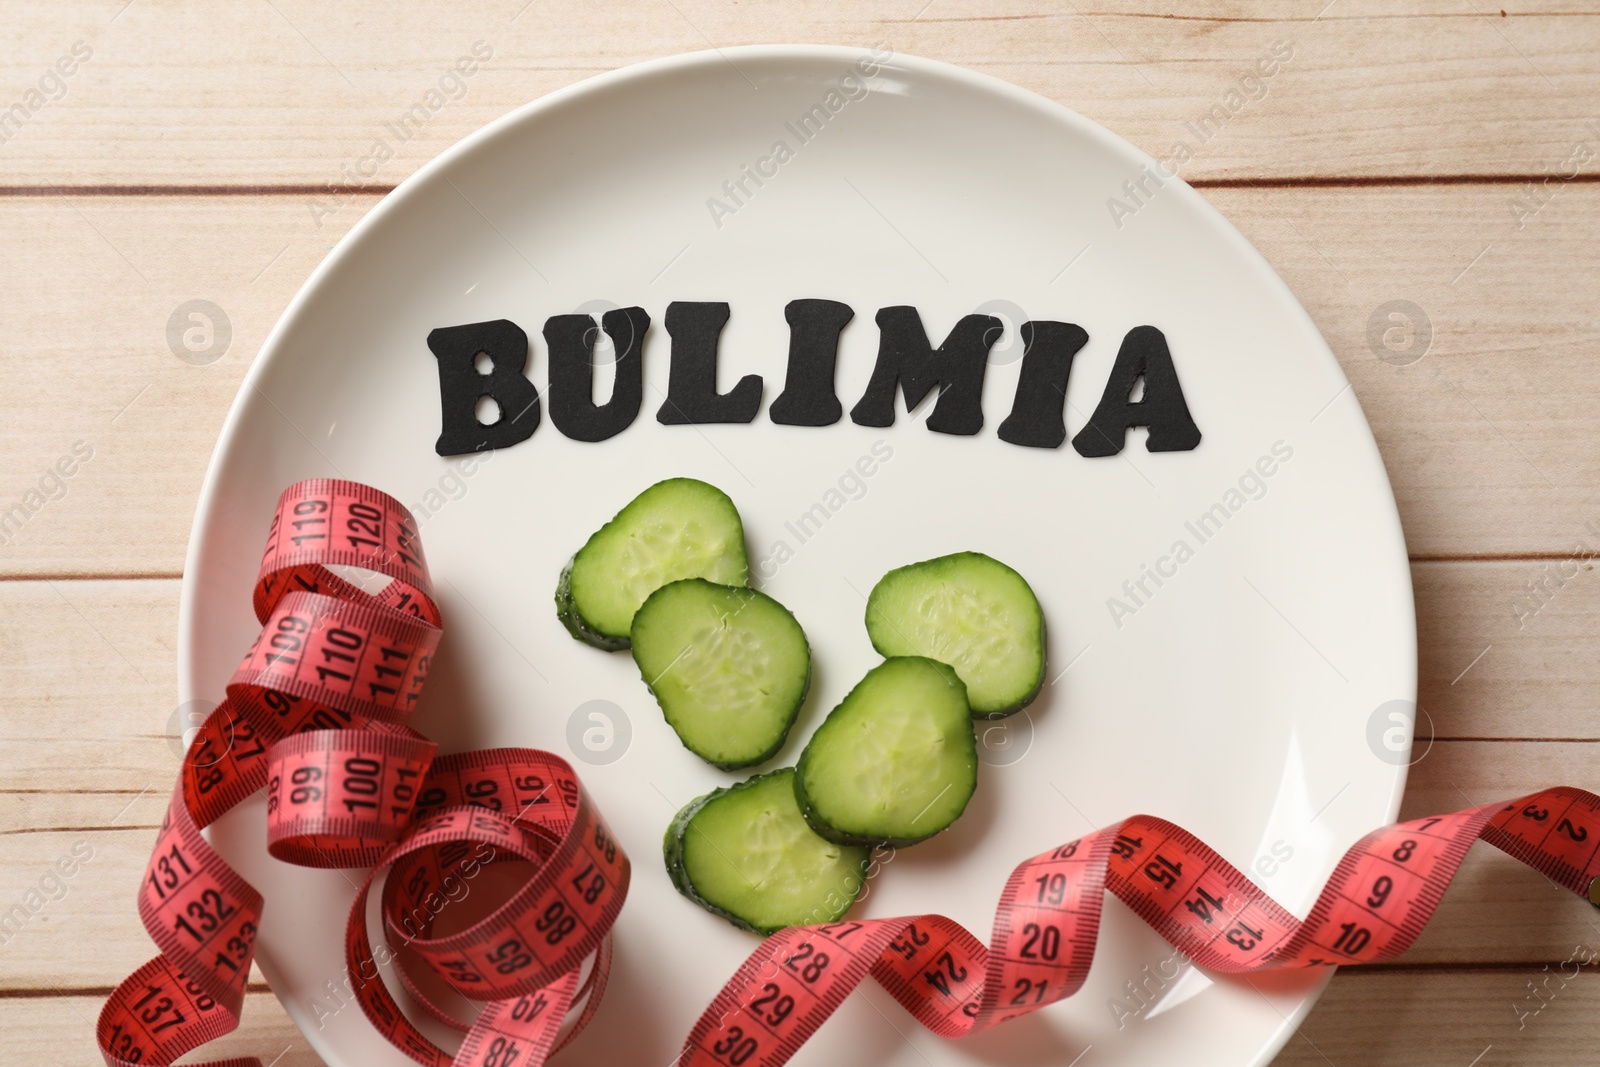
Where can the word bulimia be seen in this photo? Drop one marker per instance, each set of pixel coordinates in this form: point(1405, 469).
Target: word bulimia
point(488, 359)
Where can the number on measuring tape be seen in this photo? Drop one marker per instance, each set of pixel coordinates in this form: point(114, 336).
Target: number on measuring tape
point(316, 714)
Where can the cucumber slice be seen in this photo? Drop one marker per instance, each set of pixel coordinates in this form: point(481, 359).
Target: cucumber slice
point(746, 854)
point(729, 667)
point(895, 762)
point(679, 528)
point(972, 612)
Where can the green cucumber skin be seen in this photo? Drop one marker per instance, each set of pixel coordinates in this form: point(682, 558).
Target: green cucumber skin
point(843, 837)
point(1038, 685)
point(572, 617)
point(567, 612)
point(677, 871)
point(794, 712)
point(672, 852)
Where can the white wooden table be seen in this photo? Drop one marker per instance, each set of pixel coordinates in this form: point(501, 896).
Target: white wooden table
point(1445, 154)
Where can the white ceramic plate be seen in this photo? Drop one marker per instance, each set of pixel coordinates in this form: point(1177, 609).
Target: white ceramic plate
point(1235, 699)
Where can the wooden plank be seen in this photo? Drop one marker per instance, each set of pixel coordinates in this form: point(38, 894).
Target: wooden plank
point(87, 934)
point(87, 764)
point(60, 1029)
point(86, 667)
point(1501, 660)
point(1451, 1019)
point(300, 93)
point(1440, 1019)
point(1489, 437)
point(83, 931)
point(99, 373)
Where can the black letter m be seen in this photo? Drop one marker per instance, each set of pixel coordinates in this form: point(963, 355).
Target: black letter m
point(907, 360)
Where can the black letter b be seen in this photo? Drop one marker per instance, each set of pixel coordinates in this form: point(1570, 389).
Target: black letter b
point(461, 386)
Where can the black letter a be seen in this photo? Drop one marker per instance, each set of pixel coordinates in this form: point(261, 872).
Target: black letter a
point(1144, 355)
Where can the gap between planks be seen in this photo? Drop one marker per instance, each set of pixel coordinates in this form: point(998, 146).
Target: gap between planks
point(166, 576)
point(1309, 181)
point(49, 992)
point(1361, 970)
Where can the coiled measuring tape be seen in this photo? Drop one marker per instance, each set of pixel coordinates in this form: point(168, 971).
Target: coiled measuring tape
point(1374, 906)
point(317, 714)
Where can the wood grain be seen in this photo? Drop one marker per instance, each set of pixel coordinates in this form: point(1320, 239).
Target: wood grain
point(1427, 1019)
point(87, 670)
point(60, 1029)
point(89, 753)
point(1488, 437)
point(1451, 1019)
point(297, 93)
point(87, 934)
point(1493, 667)
point(213, 152)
